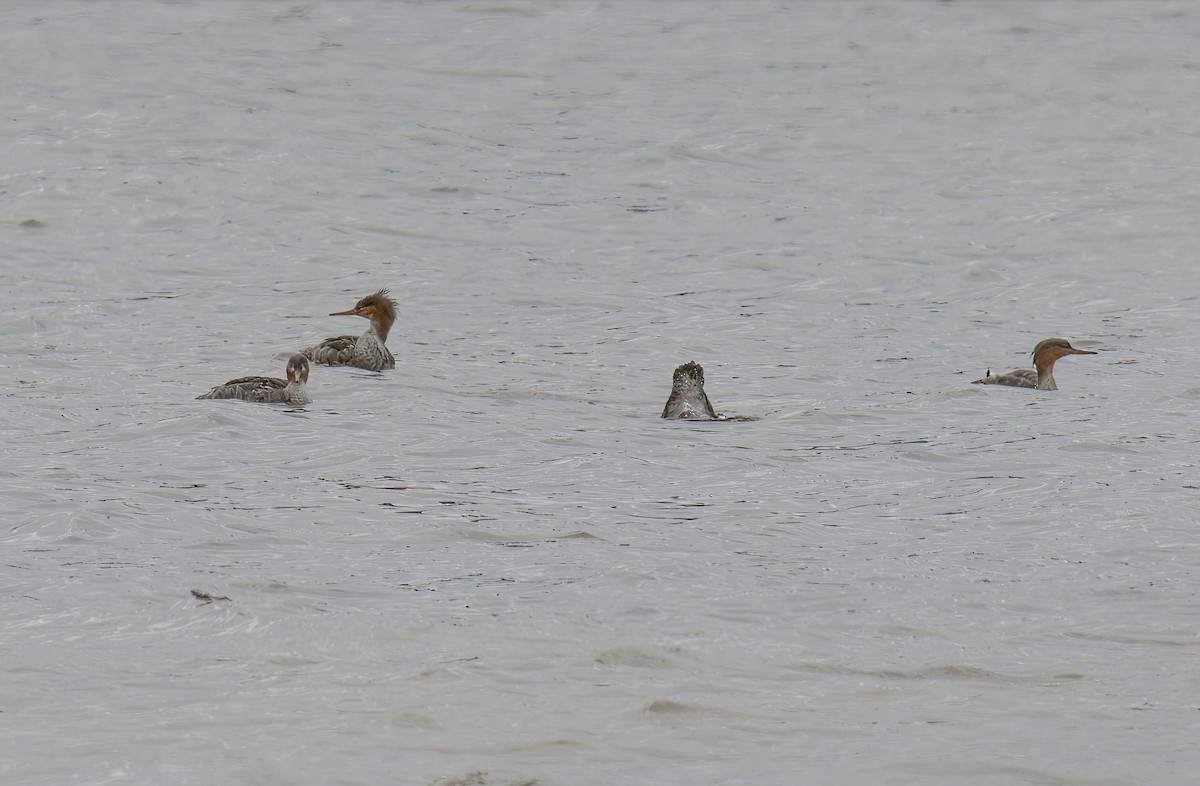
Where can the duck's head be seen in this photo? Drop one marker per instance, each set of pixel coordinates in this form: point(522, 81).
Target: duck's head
point(297, 368)
point(1051, 349)
point(376, 304)
point(377, 307)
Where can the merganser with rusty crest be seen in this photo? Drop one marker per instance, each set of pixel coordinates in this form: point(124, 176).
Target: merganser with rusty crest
point(1044, 355)
point(368, 350)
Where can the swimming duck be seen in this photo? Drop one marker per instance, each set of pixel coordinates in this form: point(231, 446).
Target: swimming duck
point(269, 389)
point(1044, 355)
point(368, 350)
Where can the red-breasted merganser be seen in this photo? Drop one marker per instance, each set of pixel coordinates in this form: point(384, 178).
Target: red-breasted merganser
point(269, 389)
point(1044, 355)
point(365, 351)
point(688, 401)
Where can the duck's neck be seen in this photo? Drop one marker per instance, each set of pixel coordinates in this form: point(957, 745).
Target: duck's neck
point(380, 326)
point(297, 392)
point(1045, 373)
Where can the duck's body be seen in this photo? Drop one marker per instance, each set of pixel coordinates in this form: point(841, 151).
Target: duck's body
point(688, 400)
point(1017, 378)
point(272, 390)
point(1044, 355)
point(367, 351)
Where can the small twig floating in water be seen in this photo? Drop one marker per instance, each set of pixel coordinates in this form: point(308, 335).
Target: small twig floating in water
point(208, 597)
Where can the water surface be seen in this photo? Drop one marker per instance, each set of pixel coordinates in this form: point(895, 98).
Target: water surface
point(496, 564)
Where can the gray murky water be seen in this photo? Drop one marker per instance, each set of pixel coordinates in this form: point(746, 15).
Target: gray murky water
point(496, 565)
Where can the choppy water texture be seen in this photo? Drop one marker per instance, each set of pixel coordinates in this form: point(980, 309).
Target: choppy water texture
point(496, 565)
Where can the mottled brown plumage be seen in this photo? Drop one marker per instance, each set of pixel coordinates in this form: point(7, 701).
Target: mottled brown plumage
point(1044, 354)
point(367, 351)
point(293, 390)
point(688, 400)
